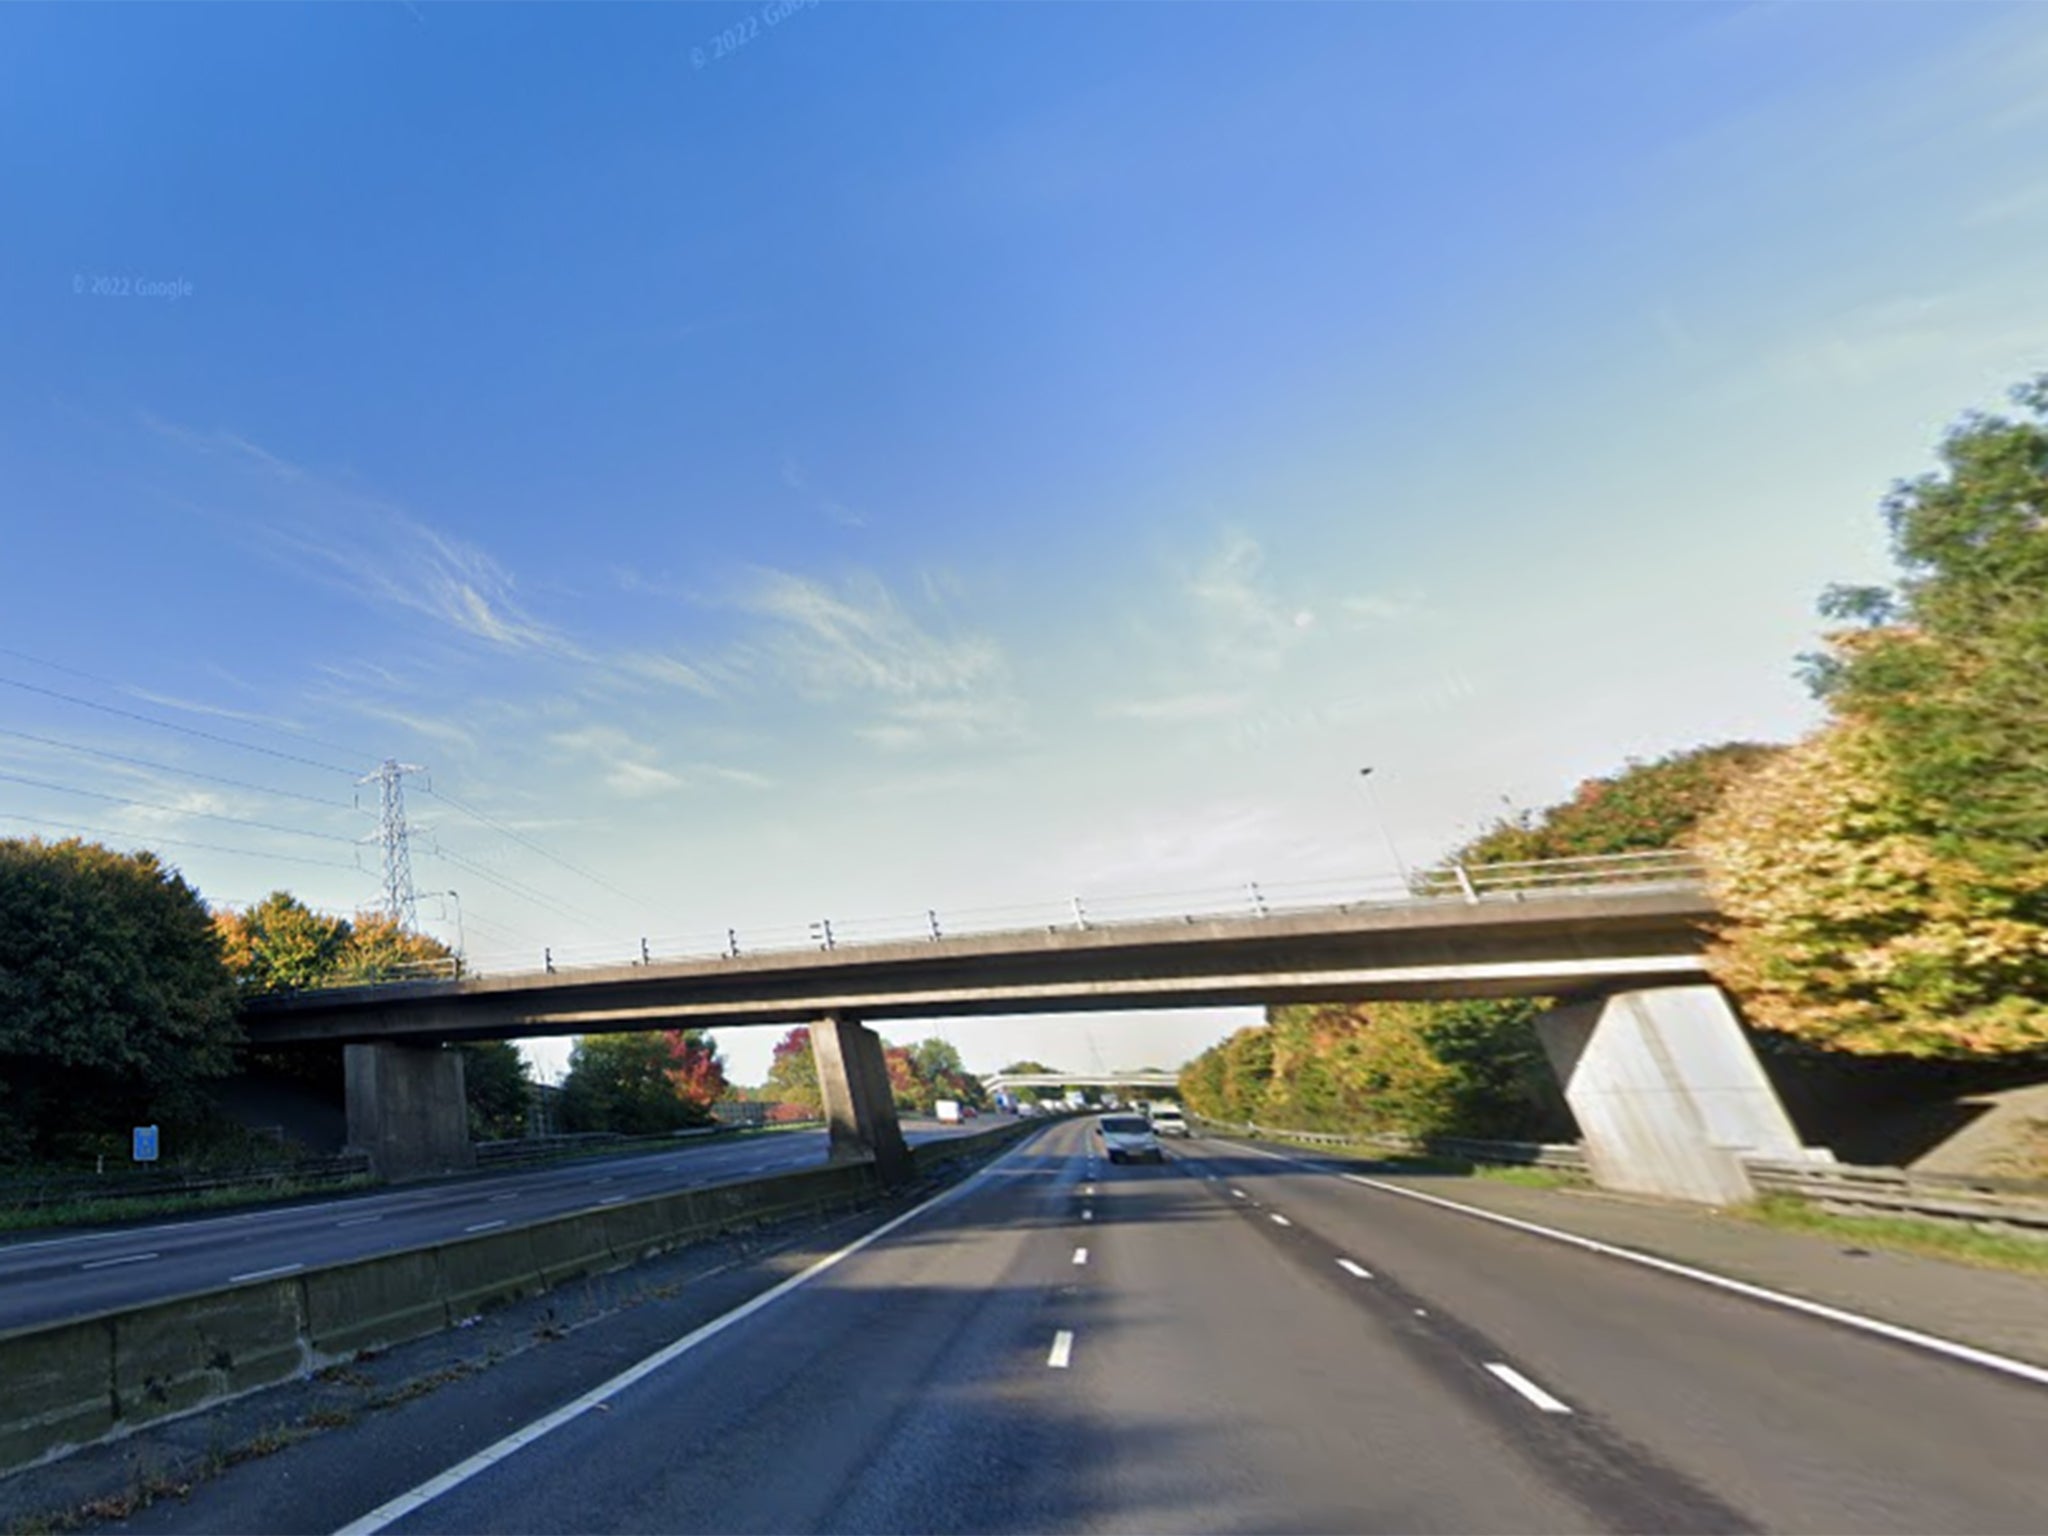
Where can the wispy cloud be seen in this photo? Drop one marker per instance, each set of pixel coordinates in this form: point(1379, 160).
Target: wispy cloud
point(1897, 335)
point(2026, 203)
point(1178, 707)
point(388, 556)
point(631, 769)
point(858, 637)
point(1244, 619)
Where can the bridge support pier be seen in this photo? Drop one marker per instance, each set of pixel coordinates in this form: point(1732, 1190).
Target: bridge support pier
point(1667, 1091)
point(860, 1108)
point(407, 1109)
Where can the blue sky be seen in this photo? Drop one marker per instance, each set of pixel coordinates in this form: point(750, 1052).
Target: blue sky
point(955, 455)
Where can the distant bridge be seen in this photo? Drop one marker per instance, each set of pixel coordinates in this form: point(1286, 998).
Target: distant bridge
point(997, 1081)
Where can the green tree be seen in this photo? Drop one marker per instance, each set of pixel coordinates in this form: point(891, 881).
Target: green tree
point(1643, 808)
point(499, 1089)
point(114, 1005)
point(623, 1083)
point(1028, 1068)
point(1951, 668)
point(793, 1072)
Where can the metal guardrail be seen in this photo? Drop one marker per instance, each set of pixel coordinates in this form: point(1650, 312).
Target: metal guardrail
point(2006, 1205)
point(1566, 1157)
point(1471, 884)
point(1993, 1204)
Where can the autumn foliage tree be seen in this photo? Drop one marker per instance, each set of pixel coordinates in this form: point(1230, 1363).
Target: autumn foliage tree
point(1887, 885)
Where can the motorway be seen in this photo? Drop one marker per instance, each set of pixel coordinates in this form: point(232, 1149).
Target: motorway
point(70, 1274)
point(1231, 1342)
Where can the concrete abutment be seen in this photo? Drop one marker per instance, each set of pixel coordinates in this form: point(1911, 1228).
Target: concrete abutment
point(1667, 1091)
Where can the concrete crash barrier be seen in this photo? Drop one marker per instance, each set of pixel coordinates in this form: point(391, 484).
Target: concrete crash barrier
point(69, 1384)
point(58, 1388)
point(176, 1355)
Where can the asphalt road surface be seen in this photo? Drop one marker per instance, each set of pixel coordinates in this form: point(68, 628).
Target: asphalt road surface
point(43, 1279)
point(1229, 1342)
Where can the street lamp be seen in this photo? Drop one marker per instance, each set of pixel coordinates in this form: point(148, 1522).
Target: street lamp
point(461, 947)
point(1380, 821)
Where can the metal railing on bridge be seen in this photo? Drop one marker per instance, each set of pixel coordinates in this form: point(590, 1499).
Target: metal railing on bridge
point(1472, 884)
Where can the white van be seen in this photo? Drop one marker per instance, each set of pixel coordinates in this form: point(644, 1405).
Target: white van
point(1167, 1120)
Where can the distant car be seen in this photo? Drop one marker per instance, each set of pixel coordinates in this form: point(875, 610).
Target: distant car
point(1129, 1139)
point(1167, 1120)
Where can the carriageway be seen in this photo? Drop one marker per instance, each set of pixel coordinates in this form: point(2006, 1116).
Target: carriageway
point(1654, 1062)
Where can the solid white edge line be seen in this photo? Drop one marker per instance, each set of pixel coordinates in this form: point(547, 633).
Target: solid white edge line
point(394, 1510)
point(1062, 1349)
point(1528, 1389)
point(1080, 1255)
point(265, 1274)
point(1357, 1271)
point(1896, 1332)
point(484, 1226)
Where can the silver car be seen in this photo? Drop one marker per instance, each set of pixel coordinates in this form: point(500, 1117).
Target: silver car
point(1129, 1139)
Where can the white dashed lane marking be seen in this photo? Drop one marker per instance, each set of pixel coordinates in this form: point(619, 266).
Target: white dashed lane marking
point(484, 1226)
point(1281, 1221)
point(1080, 1255)
point(126, 1258)
point(1528, 1388)
point(1062, 1349)
point(1355, 1271)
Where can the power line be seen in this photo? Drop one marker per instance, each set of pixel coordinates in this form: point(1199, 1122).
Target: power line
point(560, 909)
point(175, 810)
point(167, 725)
point(528, 843)
point(182, 842)
point(144, 693)
point(190, 773)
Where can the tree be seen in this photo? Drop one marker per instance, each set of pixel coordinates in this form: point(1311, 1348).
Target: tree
point(793, 1073)
point(376, 948)
point(281, 944)
point(1951, 667)
point(114, 1005)
point(944, 1075)
point(1854, 921)
point(1643, 808)
point(623, 1083)
point(695, 1069)
point(498, 1087)
point(1031, 1069)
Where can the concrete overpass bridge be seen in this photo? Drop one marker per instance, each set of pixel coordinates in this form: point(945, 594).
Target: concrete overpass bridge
point(1655, 1065)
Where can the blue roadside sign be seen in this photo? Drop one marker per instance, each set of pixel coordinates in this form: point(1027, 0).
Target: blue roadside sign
point(145, 1144)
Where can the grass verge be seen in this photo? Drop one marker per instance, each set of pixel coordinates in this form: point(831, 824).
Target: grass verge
point(1529, 1178)
point(1902, 1234)
point(95, 1212)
